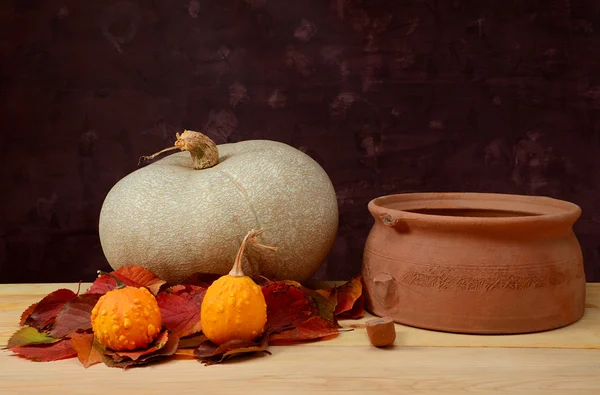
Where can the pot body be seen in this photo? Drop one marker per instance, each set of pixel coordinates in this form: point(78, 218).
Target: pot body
point(474, 263)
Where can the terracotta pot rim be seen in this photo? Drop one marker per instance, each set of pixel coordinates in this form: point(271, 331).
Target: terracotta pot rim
point(542, 209)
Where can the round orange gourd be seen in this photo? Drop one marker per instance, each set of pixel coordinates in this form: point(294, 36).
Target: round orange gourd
point(126, 318)
point(234, 306)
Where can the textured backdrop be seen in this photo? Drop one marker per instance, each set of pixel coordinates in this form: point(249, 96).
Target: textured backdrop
point(388, 96)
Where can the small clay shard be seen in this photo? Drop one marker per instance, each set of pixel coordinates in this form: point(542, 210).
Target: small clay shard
point(381, 331)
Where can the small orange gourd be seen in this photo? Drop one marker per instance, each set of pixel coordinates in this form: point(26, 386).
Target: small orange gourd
point(126, 318)
point(234, 306)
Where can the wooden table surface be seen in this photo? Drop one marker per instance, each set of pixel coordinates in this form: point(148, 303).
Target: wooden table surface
point(564, 361)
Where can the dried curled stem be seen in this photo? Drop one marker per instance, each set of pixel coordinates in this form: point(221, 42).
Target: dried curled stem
point(252, 235)
point(120, 284)
point(203, 150)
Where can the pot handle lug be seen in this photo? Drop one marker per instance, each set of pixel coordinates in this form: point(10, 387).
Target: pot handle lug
point(388, 220)
point(395, 222)
point(385, 288)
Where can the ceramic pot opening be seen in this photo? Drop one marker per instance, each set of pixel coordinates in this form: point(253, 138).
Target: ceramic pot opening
point(474, 212)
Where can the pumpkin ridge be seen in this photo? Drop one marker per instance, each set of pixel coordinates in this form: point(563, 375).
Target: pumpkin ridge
point(244, 193)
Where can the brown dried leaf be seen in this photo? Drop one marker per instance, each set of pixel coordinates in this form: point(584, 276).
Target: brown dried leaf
point(325, 305)
point(187, 352)
point(192, 341)
point(310, 329)
point(210, 354)
point(157, 344)
point(89, 351)
point(124, 362)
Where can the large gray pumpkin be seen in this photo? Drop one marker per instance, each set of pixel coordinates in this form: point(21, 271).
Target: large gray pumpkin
point(177, 221)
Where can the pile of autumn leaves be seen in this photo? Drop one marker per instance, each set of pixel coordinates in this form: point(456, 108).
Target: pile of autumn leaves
point(59, 325)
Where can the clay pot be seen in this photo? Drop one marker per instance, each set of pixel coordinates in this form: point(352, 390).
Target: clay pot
point(474, 263)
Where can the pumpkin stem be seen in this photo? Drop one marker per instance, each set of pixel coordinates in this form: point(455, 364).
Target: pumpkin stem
point(252, 235)
point(203, 150)
point(154, 155)
point(120, 284)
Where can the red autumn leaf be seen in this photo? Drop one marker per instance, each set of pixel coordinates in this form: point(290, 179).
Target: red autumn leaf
point(180, 308)
point(350, 301)
point(142, 276)
point(322, 302)
point(203, 280)
point(27, 313)
point(357, 311)
point(286, 305)
point(75, 315)
point(103, 284)
point(292, 283)
point(210, 354)
point(89, 351)
point(310, 329)
point(158, 350)
point(45, 353)
point(46, 310)
point(135, 276)
point(296, 313)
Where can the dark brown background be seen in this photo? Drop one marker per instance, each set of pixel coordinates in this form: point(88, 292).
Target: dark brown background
point(388, 96)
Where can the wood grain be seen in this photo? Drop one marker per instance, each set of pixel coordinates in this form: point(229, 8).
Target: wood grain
point(310, 369)
point(553, 362)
